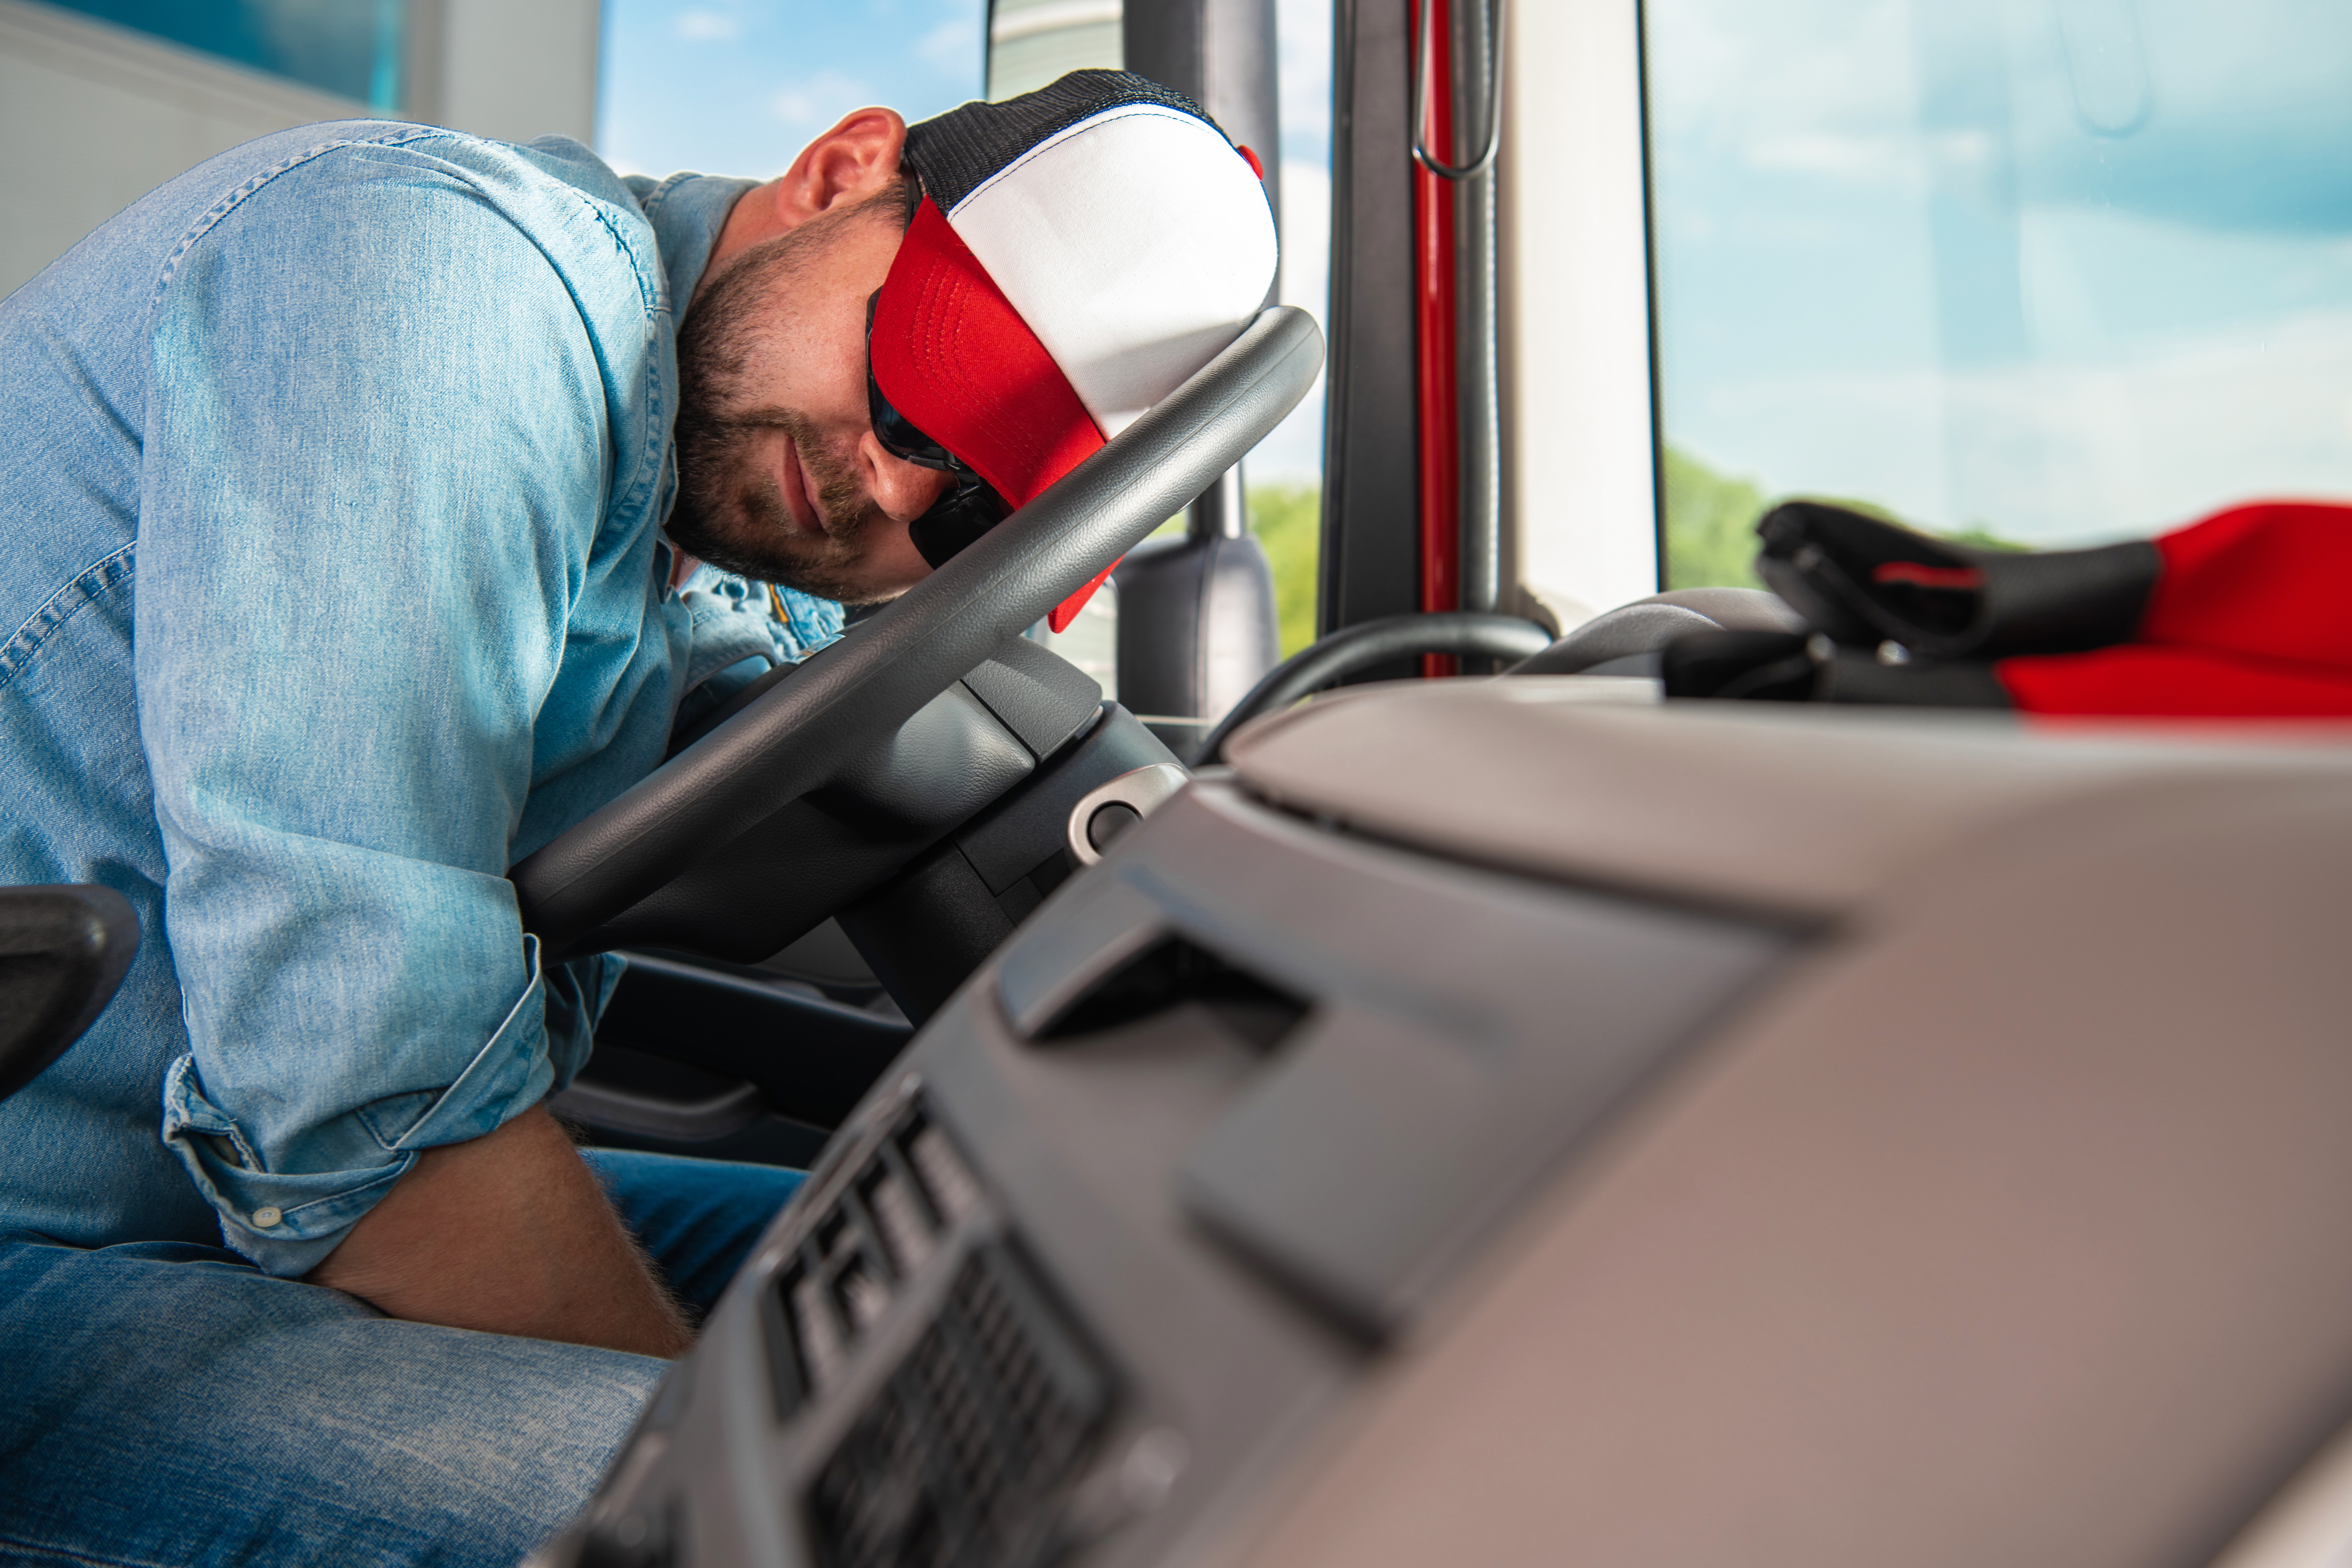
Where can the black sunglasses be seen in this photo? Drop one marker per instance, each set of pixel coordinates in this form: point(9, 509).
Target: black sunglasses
point(968, 508)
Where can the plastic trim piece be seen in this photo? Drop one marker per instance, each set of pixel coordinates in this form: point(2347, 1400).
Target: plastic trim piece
point(1646, 625)
point(1144, 790)
point(811, 1060)
point(603, 1106)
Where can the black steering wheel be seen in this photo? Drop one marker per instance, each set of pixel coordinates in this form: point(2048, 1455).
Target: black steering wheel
point(843, 704)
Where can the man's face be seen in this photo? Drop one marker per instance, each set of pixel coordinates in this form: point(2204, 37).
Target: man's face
point(780, 475)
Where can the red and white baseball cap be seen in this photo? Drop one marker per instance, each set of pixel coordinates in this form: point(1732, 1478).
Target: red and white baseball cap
point(1076, 254)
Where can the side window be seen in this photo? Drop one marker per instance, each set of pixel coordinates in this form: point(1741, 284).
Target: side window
point(1286, 472)
point(354, 49)
point(2040, 271)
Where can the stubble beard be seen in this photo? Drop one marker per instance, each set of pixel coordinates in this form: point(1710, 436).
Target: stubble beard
point(732, 513)
point(731, 509)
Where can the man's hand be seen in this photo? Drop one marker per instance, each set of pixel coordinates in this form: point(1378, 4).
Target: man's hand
point(510, 1235)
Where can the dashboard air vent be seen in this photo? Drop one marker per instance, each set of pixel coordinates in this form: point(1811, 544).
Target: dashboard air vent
point(888, 1221)
point(1171, 974)
point(963, 1457)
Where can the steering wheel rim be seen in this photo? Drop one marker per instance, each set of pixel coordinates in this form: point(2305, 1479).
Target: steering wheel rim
point(859, 690)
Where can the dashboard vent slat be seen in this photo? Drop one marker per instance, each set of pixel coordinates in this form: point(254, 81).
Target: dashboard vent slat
point(965, 1456)
point(886, 1223)
point(946, 1179)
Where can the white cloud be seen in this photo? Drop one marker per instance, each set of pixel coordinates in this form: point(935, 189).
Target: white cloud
point(705, 27)
point(1303, 57)
point(1796, 61)
point(818, 101)
point(1875, 160)
point(952, 44)
point(2062, 454)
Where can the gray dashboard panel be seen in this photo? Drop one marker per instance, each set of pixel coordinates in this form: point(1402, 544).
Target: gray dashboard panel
point(1554, 1194)
point(1234, 1283)
point(1776, 807)
point(2011, 1231)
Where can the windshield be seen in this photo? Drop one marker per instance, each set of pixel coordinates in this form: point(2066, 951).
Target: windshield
point(2042, 272)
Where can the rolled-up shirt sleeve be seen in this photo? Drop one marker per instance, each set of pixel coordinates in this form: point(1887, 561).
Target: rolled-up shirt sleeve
point(377, 454)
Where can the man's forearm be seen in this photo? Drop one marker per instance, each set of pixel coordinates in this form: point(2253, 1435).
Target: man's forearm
point(509, 1233)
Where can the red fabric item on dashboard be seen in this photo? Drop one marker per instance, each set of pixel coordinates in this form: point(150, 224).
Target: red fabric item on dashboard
point(2244, 614)
point(2271, 580)
point(2167, 681)
point(2248, 619)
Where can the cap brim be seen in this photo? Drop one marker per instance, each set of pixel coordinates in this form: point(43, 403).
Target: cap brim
point(951, 354)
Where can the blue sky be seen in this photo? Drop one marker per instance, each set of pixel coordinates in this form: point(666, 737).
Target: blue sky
point(738, 87)
point(2070, 268)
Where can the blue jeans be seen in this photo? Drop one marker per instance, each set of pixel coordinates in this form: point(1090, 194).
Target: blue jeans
point(167, 1404)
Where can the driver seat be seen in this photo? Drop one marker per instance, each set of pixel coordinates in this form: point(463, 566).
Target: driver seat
point(63, 952)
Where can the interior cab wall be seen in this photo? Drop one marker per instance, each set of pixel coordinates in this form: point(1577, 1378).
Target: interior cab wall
point(1579, 483)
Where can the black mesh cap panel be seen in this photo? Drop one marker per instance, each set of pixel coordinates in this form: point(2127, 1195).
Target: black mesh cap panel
point(953, 155)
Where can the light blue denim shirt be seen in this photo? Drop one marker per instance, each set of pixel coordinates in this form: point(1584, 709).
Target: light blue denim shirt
point(329, 505)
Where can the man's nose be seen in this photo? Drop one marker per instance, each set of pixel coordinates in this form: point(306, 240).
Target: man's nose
point(903, 491)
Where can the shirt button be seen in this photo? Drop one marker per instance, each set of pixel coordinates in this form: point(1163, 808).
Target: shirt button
point(266, 1217)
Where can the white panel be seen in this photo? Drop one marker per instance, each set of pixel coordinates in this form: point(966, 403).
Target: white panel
point(1131, 285)
point(94, 117)
point(1014, 20)
point(1033, 42)
point(1578, 479)
point(1028, 61)
point(513, 69)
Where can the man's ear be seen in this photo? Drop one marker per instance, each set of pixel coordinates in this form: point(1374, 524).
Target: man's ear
point(843, 167)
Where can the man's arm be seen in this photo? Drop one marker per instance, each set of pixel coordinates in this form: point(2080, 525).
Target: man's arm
point(509, 1234)
point(395, 625)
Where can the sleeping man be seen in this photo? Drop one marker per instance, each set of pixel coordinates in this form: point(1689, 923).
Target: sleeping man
point(375, 497)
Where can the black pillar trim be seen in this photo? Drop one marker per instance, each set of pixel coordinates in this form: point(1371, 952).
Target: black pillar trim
point(1372, 542)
